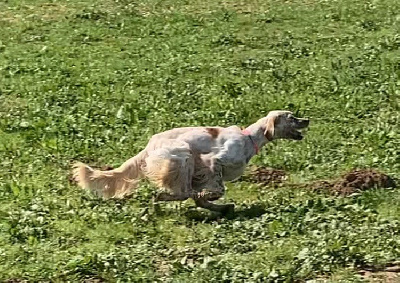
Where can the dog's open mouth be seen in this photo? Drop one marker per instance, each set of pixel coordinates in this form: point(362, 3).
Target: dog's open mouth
point(298, 133)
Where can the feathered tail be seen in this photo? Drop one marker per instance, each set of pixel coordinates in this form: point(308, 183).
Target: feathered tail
point(116, 183)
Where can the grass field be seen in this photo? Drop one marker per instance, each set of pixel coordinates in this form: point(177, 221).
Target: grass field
point(93, 80)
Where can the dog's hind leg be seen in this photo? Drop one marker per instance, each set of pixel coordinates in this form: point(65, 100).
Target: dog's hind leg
point(171, 168)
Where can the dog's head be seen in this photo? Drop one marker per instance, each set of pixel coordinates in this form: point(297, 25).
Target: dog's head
point(283, 125)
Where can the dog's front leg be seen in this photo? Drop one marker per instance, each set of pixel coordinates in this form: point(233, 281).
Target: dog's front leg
point(214, 189)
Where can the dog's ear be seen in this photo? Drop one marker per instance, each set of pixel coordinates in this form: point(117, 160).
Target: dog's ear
point(270, 128)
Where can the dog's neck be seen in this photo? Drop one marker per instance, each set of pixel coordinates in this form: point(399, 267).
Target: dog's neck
point(256, 131)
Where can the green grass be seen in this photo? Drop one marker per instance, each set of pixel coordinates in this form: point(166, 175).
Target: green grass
point(92, 81)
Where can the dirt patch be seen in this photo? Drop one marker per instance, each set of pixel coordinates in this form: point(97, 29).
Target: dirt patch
point(355, 181)
point(265, 176)
point(388, 274)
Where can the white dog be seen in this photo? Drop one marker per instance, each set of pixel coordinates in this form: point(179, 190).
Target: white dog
point(192, 162)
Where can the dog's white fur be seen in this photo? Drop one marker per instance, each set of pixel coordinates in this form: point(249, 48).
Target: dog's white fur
point(191, 162)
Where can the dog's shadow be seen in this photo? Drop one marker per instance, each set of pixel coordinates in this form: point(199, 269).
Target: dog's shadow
point(253, 211)
point(202, 215)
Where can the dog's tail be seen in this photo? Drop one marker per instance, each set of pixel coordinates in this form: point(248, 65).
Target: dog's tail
point(116, 183)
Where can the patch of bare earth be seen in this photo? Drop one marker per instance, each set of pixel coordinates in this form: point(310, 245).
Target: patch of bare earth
point(388, 274)
point(265, 176)
point(354, 181)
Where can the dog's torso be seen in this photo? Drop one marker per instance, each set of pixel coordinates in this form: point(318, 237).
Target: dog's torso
point(211, 142)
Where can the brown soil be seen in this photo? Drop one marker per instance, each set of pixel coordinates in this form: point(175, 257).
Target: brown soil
point(265, 176)
point(389, 274)
point(355, 181)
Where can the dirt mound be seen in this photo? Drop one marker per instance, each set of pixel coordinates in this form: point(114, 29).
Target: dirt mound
point(349, 183)
point(355, 181)
point(364, 180)
point(265, 176)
